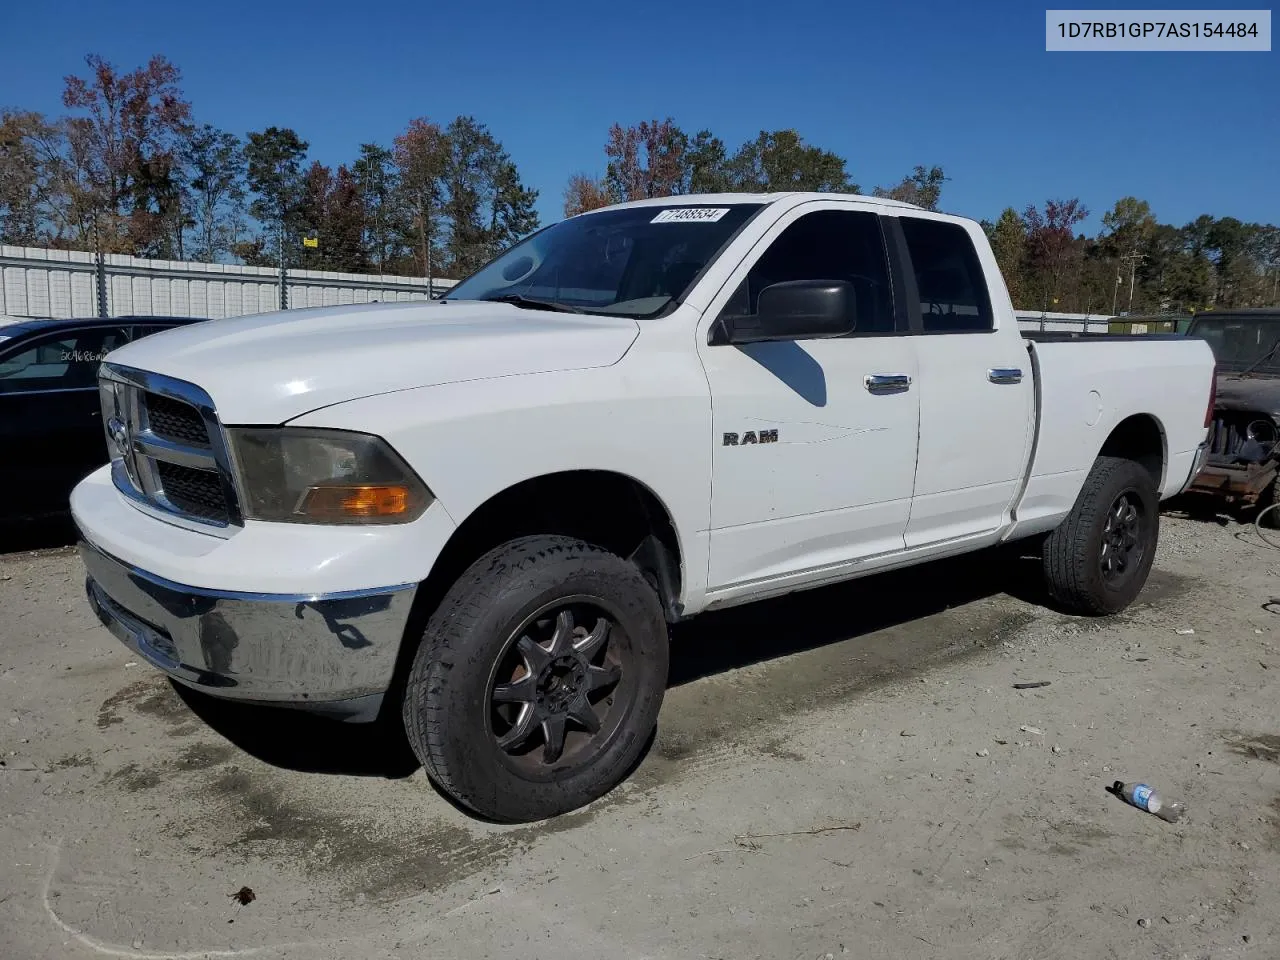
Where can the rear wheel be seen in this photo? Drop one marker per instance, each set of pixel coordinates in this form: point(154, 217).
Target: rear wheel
point(538, 680)
point(1098, 559)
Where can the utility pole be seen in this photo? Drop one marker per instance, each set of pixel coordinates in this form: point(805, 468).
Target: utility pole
point(100, 267)
point(284, 274)
point(1133, 259)
point(377, 215)
point(1115, 293)
point(424, 211)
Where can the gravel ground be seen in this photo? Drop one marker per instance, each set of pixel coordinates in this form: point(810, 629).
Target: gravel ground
point(845, 772)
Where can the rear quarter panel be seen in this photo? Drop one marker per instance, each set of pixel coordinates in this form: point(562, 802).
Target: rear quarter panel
point(1085, 389)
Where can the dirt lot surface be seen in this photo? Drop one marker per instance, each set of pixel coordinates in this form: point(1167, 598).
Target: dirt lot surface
point(844, 773)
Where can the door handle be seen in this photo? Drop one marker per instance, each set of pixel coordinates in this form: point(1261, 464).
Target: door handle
point(882, 383)
point(1004, 375)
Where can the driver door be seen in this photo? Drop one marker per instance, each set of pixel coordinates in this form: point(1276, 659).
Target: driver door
point(814, 439)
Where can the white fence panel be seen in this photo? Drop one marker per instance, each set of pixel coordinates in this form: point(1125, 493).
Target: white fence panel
point(42, 283)
point(1034, 320)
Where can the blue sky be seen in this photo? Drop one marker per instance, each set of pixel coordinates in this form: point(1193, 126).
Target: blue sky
point(968, 87)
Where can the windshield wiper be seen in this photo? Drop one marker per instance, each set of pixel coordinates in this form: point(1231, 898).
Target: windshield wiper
point(531, 303)
point(1260, 361)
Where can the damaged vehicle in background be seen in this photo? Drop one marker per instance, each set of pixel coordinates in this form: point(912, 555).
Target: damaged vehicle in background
point(1242, 467)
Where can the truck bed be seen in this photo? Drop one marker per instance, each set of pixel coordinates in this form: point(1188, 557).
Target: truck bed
point(1086, 386)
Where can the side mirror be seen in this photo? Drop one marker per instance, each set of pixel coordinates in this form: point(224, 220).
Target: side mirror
point(798, 310)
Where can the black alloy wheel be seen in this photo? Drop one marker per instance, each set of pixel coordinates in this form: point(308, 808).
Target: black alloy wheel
point(554, 697)
point(538, 679)
point(1122, 545)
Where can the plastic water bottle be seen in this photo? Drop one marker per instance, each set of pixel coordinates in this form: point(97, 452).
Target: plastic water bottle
point(1145, 798)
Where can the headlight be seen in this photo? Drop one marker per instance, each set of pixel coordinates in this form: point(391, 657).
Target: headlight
point(304, 475)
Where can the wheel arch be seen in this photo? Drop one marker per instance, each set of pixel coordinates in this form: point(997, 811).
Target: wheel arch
point(1141, 438)
point(641, 529)
point(607, 508)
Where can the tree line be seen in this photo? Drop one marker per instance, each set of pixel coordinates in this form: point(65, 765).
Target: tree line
point(1134, 264)
point(658, 159)
point(129, 169)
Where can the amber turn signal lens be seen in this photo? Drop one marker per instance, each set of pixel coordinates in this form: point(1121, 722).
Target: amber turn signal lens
point(346, 503)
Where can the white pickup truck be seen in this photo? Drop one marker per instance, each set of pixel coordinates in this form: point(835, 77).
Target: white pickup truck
point(480, 514)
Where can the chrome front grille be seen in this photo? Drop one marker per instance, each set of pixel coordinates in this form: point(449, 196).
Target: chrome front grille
point(176, 421)
point(168, 449)
point(195, 492)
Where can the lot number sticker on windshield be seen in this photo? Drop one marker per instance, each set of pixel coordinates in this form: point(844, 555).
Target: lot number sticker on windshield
point(690, 215)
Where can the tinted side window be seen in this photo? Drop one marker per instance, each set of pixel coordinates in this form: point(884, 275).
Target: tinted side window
point(58, 363)
point(138, 332)
point(949, 278)
point(827, 245)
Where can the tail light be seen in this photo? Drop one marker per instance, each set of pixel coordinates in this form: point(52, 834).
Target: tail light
point(1213, 397)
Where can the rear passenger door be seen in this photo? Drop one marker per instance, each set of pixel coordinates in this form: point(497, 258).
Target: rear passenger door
point(977, 403)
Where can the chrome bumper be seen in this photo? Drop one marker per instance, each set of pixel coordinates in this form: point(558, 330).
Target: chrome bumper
point(333, 653)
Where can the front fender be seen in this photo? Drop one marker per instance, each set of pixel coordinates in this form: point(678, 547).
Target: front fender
point(471, 441)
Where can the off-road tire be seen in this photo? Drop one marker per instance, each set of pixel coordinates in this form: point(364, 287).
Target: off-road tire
point(1072, 553)
point(448, 702)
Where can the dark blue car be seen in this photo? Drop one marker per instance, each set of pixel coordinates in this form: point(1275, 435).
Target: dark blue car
point(51, 433)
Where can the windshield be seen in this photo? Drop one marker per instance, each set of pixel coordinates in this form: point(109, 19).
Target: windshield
point(1237, 344)
point(632, 262)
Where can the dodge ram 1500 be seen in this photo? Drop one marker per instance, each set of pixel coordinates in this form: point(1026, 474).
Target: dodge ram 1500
point(479, 515)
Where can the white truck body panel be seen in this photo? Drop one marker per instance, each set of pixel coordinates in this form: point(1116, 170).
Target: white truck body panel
point(647, 417)
point(1087, 388)
point(800, 504)
point(479, 397)
point(958, 491)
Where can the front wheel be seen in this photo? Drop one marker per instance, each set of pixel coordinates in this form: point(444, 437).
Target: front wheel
point(538, 680)
point(1097, 560)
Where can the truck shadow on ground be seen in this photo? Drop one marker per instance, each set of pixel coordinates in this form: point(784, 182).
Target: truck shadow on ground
point(1205, 509)
point(754, 633)
point(714, 643)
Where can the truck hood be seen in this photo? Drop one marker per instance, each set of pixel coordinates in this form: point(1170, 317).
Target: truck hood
point(272, 367)
point(1259, 394)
